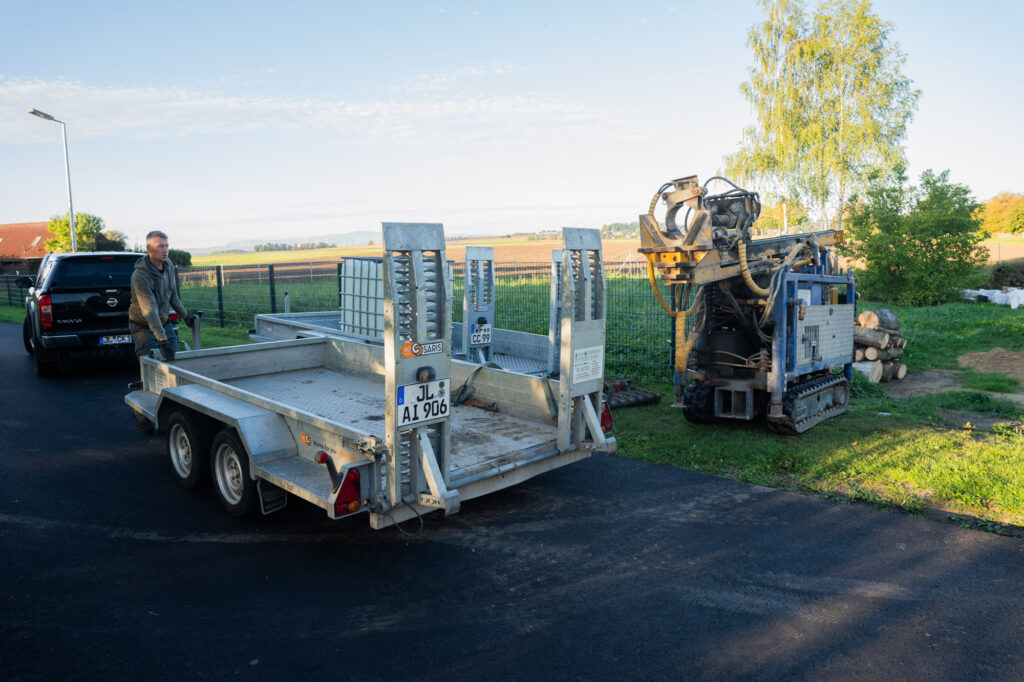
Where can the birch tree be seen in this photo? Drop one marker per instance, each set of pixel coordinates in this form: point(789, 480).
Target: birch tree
point(831, 101)
point(768, 155)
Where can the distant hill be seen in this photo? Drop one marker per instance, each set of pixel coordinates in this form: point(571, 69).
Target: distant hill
point(341, 239)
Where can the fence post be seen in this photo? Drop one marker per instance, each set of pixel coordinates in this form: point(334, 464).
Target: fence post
point(338, 282)
point(10, 299)
point(672, 290)
point(273, 290)
point(220, 293)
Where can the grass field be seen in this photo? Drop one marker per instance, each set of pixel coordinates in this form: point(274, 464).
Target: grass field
point(518, 248)
point(956, 455)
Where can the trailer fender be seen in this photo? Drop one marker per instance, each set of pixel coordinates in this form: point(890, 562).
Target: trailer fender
point(265, 434)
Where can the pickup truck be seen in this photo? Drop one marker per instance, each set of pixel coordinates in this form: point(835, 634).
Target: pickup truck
point(354, 426)
point(77, 307)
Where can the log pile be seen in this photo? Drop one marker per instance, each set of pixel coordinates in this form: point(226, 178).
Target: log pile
point(878, 346)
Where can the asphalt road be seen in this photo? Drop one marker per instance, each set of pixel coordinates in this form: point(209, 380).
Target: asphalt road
point(607, 569)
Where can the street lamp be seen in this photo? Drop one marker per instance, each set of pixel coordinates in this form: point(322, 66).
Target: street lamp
point(67, 171)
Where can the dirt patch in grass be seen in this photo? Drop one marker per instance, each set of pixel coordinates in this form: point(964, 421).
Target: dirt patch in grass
point(977, 420)
point(924, 383)
point(1008, 362)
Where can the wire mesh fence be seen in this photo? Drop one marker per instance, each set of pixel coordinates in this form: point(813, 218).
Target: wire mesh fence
point(639, 333)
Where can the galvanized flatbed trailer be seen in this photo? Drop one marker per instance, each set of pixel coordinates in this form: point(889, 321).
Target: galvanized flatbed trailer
point(353, 426)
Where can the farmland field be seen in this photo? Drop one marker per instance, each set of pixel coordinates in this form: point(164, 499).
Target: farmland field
point(515, 249)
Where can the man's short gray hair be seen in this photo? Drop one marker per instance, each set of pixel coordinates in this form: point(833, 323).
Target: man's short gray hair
point(156, 234)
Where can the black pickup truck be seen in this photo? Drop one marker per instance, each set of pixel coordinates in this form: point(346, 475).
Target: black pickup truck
point(77, 306)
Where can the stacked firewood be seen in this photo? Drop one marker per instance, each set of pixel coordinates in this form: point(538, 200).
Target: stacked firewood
point(878, 345)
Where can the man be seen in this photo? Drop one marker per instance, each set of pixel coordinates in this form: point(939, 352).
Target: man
point(154, 293)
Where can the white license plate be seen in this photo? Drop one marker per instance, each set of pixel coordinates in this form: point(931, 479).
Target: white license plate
point(479, 334)
point(114, 340)
point(423, 402)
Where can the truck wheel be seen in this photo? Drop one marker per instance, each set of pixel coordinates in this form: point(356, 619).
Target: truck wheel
point(188, 443)
point(230, 467)
point(26, 336)
point(45, 366)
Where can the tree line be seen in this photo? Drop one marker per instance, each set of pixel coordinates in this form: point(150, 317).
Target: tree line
point(304, 246)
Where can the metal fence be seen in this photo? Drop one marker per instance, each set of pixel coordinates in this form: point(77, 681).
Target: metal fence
point(639, 333)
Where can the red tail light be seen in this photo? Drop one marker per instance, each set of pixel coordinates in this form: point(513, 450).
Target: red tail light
point(172, 316)
point(606, 420)
point(45, 312)
point(349, 497)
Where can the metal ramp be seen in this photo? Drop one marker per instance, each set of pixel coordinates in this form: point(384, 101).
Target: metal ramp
point(417, 360)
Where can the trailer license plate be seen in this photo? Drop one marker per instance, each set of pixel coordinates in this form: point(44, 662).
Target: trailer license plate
point(114, 340)
point(422, 402)
point(479, 334)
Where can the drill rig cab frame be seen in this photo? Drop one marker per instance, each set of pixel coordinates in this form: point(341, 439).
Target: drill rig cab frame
point(763, 327)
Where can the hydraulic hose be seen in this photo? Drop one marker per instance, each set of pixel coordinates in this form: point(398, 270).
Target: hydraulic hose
point(682, 350)
point(745, 271)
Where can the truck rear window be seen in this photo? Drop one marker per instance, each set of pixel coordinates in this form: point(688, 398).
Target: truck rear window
point(94, 272)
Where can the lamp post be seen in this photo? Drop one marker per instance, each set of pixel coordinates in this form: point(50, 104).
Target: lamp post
point(67, 171)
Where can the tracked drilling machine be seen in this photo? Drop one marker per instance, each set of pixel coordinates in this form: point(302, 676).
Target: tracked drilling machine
point(762, 326)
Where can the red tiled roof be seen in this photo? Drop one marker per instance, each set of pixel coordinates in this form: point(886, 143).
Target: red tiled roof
point(24, 240)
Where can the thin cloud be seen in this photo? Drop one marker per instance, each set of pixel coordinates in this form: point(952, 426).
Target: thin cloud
point(152, 112)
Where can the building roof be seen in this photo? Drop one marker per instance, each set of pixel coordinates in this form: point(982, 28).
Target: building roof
point(24, 240)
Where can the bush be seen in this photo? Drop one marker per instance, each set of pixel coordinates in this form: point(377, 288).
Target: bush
point(1006, 274)
point(180, 258)
point(915, 245)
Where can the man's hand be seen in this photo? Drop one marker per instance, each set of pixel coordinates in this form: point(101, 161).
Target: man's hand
point(167, 349)
point(190, 320)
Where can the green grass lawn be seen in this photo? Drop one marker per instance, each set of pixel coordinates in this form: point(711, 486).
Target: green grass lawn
point(958, 455)
point(913, 454)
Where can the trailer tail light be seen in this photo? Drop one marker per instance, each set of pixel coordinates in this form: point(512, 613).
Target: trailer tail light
point(606, 420)
point(45, 312)
point(349, 498)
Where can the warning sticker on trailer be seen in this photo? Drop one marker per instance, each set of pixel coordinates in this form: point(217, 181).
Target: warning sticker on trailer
point(421, 402)
point(587, 364)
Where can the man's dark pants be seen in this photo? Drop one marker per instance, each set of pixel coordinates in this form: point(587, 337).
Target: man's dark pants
point(145, 339)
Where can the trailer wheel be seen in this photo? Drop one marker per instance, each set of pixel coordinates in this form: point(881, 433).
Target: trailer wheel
point(188, 442)
point(230, 467)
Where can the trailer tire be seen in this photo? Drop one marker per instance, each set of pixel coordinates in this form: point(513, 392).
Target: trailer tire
point(188, 447)
point(229, 465)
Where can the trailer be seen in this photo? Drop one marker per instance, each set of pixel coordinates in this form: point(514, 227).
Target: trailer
point(477, 339)
point(356, 427)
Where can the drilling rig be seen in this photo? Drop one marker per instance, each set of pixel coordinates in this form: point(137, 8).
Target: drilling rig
point(762, 326)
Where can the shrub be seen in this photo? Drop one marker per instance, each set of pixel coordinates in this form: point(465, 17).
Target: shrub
point(916, 245)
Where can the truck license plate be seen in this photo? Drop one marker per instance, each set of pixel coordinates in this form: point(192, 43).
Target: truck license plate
point(422, 402)
point(113, 340)
point(480, 334)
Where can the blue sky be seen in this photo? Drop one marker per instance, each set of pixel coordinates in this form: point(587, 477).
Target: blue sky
point(219, 121)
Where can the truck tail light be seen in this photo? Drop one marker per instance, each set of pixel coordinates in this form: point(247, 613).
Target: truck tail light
point(45, 312)
point(606, 420)
point(349, 498)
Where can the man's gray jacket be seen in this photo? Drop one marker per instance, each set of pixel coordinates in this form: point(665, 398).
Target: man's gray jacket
point(154, 293)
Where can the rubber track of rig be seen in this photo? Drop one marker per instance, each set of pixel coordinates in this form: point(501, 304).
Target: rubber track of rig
point(803, 391)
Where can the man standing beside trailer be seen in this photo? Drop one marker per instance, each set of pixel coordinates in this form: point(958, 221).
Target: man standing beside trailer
point(154, 294)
